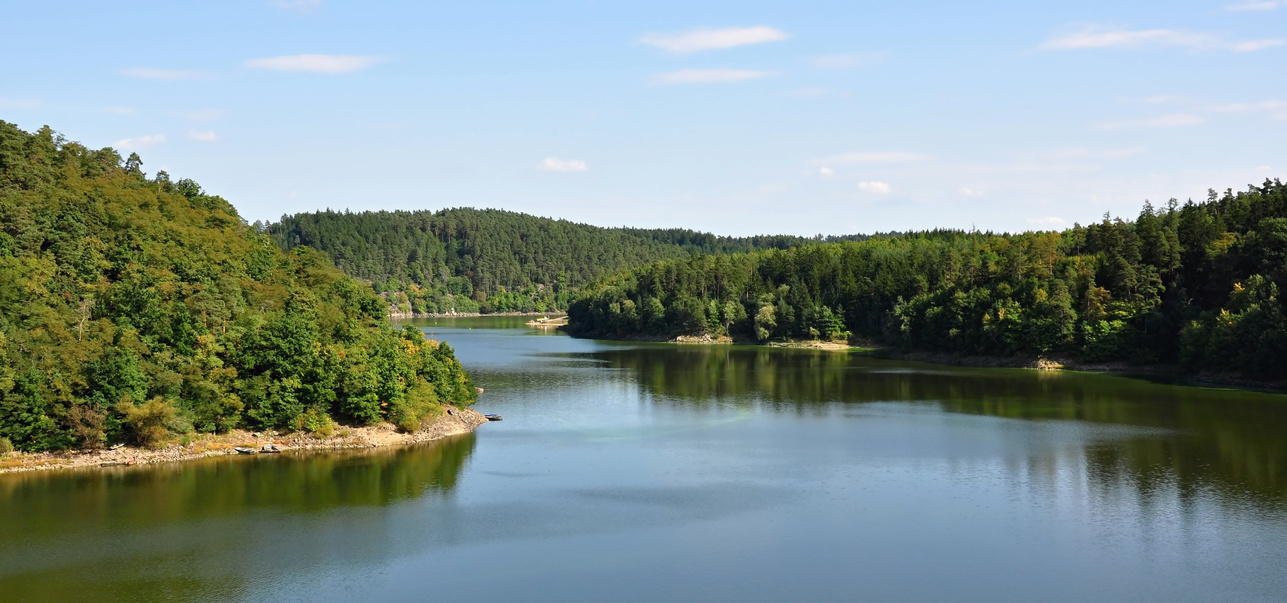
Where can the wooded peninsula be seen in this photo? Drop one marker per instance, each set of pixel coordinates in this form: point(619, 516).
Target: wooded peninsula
point(139, 309)
point(1195, 284)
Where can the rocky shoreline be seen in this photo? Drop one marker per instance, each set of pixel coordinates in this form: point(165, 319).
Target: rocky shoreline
point(455, 421)
point(406, 315)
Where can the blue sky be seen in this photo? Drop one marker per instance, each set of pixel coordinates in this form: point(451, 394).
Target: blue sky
point(732, 117)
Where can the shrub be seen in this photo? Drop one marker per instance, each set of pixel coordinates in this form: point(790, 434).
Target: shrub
point(5, 446)
point(317, 423)
point(87, 426)
point(409, 423)
point(148, 422)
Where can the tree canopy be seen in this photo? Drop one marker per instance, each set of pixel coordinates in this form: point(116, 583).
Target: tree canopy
point(135, 307)
point(1198, 284)
point(471, 260)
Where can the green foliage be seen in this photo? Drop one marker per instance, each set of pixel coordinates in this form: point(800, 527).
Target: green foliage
point(316, 422)
point(469, 260)
point(137, 308)
point(149, 423)
point(5, 446)
point(1199, 284)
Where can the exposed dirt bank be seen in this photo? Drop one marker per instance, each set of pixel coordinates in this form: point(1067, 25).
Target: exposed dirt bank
point(402, 315)
point(455, 421)
point(814, 344)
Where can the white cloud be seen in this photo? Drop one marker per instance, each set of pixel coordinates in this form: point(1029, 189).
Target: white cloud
point(826, 172)
point(203, 135)
point(1173, 120)
point(809, 92)
point(876, 187)
point(1256, 5)
point(969, 192)
point(1082, 153)
point(303, 6)
point(1254, 45)
point(19, 103)
point(709, 76)
point(1096, 37)
point(315, 63)
point(1269, 105)
point(714, 38)
point(1047, 221)
point(876, 158)
point(554, 164)
point(208, 114)
point(1276, 108)
point(141, 142)
point(149, 73)
point(842, 61)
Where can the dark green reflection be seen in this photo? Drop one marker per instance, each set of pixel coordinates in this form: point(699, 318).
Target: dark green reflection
point(88, 523)
point(1231, 440)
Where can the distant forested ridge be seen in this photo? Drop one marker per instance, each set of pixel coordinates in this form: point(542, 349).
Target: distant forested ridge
point(135, 308)
point(1199, 285)
point(471, 260)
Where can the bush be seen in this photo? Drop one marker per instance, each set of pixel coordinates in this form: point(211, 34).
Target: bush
point(148, 422)
point(317, 423)
point(409, 424)
point(5, 446)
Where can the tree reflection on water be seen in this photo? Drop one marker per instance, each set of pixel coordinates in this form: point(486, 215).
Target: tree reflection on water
point(1192, 439)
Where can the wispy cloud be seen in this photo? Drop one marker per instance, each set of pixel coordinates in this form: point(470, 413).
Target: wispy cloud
point(1254, 5)
point(1254, 45)
point(1173, 120)
point(1276, 108)
point(315, 63)
point(876, 158)
point(1051, 221)
point(844, 61)
point(19, 103)
point(875, 187)
point(150, 73)
point(826, 172)
point(554, 164)
point(203, 135)
point(303, 6)
point(207, 114)
point(709, 76)
point(1083, 153)
point(808, 92)
point(714, 38)
point(141, 142)
point(970, 192)
point(1098, 37)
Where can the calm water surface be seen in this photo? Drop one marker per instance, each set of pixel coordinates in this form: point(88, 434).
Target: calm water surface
point(627, 472)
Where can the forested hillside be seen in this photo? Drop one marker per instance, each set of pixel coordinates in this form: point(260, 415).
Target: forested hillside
point(135, 308)
point(470, 260)
point(1199, 284)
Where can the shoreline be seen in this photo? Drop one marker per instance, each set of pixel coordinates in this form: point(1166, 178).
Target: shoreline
point(455, 421)
point(405, 316)
point(1168, 373)
point(1165, 372)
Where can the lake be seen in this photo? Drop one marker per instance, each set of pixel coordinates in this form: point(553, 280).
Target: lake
point(655, 472)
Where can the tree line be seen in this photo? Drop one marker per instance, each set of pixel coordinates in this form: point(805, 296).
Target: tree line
point(1193, 284)
point(137, 308)
point(471, 260)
